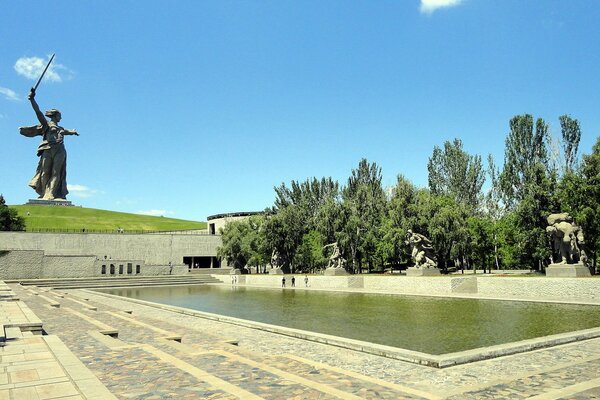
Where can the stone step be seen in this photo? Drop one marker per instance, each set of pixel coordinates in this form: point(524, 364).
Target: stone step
point(120, 285)
point(102, 282)
point(49, 282)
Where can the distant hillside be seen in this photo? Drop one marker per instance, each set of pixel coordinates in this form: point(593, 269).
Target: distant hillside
point(78, 218)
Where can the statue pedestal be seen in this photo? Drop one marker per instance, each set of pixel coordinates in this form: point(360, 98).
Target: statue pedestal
point(335, 272)
point(42, 202)
point(275, 271)
point(414, 271)
point(567, 271)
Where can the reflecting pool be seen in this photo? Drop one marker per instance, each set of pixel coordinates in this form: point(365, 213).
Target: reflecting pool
point(432, 325)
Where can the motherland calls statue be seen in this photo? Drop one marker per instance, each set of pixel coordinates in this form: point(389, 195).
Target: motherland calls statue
point(50, 179)
point(567, 239)
point(423, 254)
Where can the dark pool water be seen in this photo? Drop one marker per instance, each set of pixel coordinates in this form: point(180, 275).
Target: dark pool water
point(428, 324)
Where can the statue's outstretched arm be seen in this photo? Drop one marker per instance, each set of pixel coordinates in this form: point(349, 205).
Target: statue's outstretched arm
point(36, 108)
point(70, 132)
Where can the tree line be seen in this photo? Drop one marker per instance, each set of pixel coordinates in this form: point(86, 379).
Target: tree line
point(472, 224)
point(9, 218)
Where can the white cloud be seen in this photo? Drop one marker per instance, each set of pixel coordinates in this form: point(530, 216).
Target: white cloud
point(32, 68)
point(9, 94)
point(81, 191)
point(429, 6)
point(155, 213)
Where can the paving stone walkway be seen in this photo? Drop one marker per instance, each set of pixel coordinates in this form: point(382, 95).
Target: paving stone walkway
point(141, 352)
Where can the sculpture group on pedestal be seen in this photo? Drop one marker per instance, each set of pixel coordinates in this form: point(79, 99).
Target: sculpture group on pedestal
point(567, 239)
point(568, 257)
point(423, 254)
point(336, 264)
point(275, 263)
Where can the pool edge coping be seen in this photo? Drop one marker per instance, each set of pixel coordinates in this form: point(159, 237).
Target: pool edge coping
point(397, 353)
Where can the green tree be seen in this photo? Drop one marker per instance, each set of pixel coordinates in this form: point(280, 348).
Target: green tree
point(364, 206)
point(454, 172)
point(481, 245)
point(299, 209)
point(524, 149)
point(401, 216)
point(579, 194)
point(571, 135)
point(527, 183)
point(310, 253)
point(233, 248)
point(9, 218)
point(447, 230)
point(283, 232)
point(494, 208)
point(531, 218)
point(254, 244)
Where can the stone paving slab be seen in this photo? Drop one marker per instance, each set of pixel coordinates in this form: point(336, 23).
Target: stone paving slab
point(438, 383)
point(142, 364)
point(42, 367)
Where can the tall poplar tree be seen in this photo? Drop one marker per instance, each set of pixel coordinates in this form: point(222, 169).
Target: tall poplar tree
point(456, 173)
point(571, 135)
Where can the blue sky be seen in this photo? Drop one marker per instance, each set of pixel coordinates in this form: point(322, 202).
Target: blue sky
point(193, 108)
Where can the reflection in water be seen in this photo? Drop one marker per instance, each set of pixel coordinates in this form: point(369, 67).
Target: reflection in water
point(431, 325)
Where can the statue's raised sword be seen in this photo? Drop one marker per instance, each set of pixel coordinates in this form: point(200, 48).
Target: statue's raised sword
point(43, 73)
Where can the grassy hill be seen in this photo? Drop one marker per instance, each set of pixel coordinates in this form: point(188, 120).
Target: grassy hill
point(77, 218)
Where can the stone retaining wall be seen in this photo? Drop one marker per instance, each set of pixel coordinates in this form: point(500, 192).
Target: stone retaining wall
point(535, 288)
point(67, 267)
point(26, 264)
point(34, 264)
point(154, 249)
point(542, 287)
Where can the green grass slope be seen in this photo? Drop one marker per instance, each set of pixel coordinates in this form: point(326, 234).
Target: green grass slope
point(77, 218)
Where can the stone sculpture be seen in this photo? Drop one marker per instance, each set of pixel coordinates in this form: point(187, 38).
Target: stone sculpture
point(336, 264)
point(567, 239)
point(50, 179)
point(275, 263)
point(335, 259)
point(423, 254)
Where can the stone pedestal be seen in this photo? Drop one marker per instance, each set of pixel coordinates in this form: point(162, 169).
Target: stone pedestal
point(235, 271)
point(42, 202)
point(567, 271)
point(275, 271)
point(413, 271)
point(335, 272)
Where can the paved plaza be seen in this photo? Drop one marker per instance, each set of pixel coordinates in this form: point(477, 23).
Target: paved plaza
point(141, 352)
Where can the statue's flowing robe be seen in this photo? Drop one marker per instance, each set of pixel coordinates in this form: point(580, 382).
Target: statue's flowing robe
point(51, 153)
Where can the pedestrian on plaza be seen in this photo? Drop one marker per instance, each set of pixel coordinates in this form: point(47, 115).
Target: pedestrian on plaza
point(170, 267)
point(306, 281)
point(283, 282)
point(293, 281)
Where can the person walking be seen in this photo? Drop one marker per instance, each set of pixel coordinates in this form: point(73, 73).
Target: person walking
point(306, 281)
point(293, 281)
point(283, 282)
